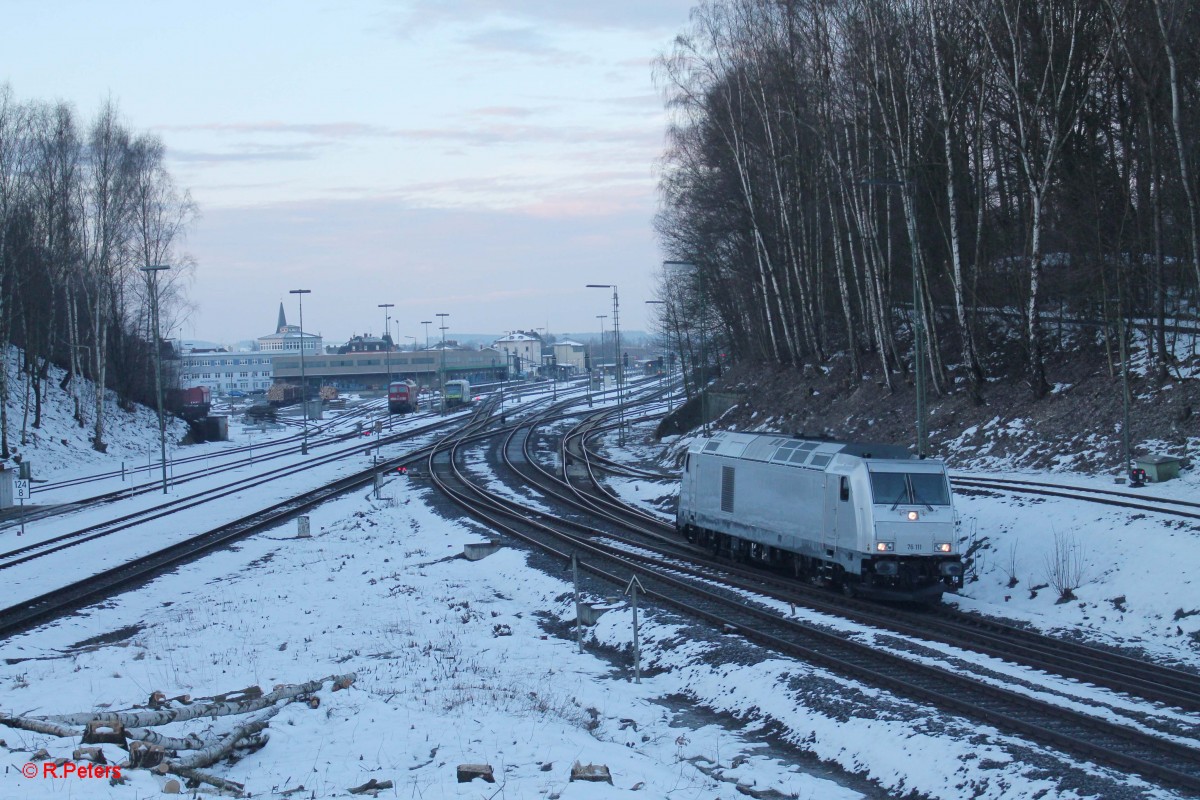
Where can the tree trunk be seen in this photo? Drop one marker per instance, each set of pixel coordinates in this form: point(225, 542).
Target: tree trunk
point(150, 718)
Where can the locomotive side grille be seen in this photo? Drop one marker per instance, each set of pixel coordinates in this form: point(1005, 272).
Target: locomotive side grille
point(727, 489)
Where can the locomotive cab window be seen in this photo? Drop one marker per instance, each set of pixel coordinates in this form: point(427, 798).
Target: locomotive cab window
point(844, 488)
point(929, 488)
point(910, 488)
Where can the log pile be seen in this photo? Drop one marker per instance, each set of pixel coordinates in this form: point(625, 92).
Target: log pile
point(184, 757)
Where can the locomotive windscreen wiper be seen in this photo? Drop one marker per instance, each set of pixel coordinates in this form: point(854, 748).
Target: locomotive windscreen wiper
point(900, 498)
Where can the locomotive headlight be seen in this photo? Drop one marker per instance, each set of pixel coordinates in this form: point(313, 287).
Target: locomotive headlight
point(885, 547)
point(914, 516)
point(942, 547)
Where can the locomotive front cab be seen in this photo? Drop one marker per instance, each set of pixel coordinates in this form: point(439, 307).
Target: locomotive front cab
point(914, 541)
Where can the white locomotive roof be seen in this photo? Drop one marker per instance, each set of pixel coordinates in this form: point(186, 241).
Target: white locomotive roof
point(782, 449)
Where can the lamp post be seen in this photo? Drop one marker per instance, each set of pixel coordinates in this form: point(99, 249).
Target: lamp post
point(442, 375)
point(152, 271)
point(426, 323)
point(689, 266)
point(414, 341)
point(907, 186)
point(303, 381)
point(617, 353)
point(387, 351)
point(601, 317)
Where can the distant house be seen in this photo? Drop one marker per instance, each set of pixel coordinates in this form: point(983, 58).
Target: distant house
point(524, 350)
point(365, 344)
point(570, 355)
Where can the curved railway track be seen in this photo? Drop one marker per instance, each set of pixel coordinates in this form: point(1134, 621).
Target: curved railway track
point(616, 542)
point(1166, 755)
point(1075, 660)
point(104, 583)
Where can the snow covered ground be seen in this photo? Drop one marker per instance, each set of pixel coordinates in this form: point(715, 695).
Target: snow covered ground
point(473, 662)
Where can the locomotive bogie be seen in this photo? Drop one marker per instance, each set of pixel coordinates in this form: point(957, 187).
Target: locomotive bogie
point(865, 519)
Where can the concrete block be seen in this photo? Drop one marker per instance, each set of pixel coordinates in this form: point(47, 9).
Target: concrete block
point(476, 551)
point(589, 613)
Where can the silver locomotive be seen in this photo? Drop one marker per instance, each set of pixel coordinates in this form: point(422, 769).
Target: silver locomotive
point(866, 519)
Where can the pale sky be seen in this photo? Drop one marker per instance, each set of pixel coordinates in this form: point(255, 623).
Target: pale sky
point(484, 159)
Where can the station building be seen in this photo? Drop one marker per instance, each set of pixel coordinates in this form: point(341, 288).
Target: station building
point(373, 370)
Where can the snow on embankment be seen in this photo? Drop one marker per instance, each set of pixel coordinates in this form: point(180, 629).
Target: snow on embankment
point(61, 445)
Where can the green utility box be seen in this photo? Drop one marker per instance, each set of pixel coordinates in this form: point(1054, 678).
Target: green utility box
point(1160, 468)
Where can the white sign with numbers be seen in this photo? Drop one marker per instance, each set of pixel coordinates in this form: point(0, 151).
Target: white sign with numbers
point(21, 488)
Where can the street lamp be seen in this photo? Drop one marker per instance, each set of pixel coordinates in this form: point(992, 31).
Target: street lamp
point(918, 317)
point(690, 267)
point(617, 352)
point(442, 375)
point(601, 317)
point(387, 351)
point(303, 381)
point(152, 283)
point(426, 323)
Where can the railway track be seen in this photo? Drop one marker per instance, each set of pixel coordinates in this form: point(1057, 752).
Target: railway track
point(286, 445)
point(1074, 660)
point(1166, 754)
point(55, 544)
point(104, 583)
point(1175, 507)
point(675, 578)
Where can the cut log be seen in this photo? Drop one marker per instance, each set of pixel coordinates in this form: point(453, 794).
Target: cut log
point(215, 752)
point(371, 786)
point(151, 736)
point(255, 742)
point(241, 695)
point(597, 773)
point(145, 756)
point(224, 784)
point(143, 719)
point(39, 726)
point(104, 733)
point(469, 772)
point(93, 754)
